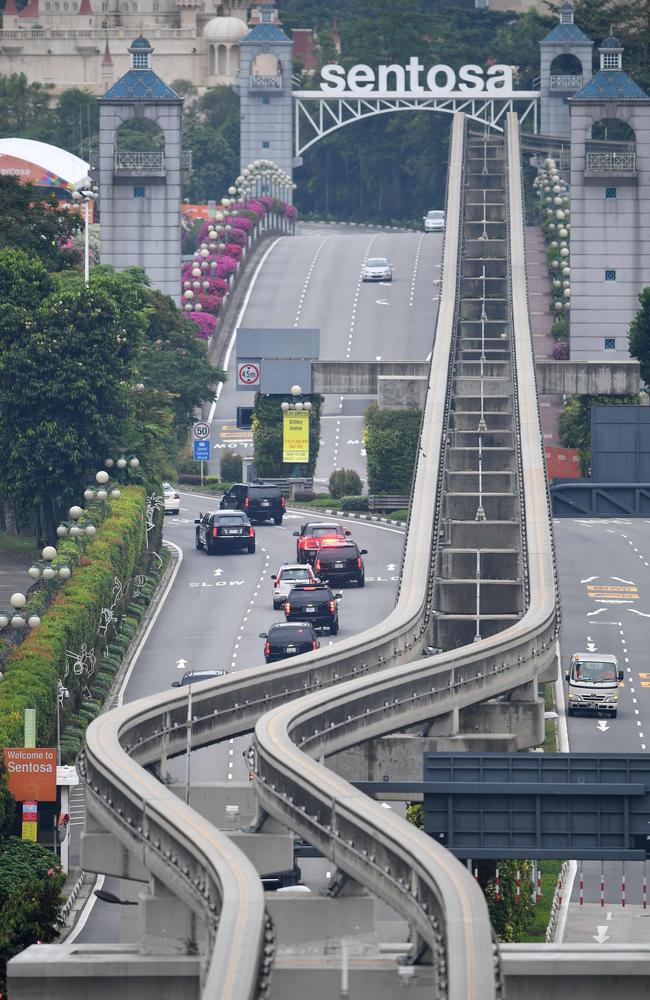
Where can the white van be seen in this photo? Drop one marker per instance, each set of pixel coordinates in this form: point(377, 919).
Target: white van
point(594, 680)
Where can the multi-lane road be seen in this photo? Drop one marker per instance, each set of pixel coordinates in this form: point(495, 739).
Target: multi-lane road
point(314, 280)
point(604, 568)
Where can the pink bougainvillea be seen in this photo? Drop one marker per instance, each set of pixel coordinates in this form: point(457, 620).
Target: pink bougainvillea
point(233, 250)
point(242, 223)
point(210, 303)
point(237, 236)
point(561, 351)
point(205, 324)
point(290, 211)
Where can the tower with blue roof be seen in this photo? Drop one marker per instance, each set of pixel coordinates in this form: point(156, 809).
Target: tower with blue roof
point(565, 66)
point(610, 208)
point(141, 191)
point(265, 83)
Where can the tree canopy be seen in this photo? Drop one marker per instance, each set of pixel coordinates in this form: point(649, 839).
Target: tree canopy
point(32, 221)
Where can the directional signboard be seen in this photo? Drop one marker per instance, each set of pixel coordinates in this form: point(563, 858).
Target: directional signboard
point(201, 451)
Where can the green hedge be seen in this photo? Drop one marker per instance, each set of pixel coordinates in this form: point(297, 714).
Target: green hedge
point(392, 438)
point(71, 620)
point(353, 503)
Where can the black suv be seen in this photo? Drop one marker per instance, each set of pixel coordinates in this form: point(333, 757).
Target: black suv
point(340, 562)
point(314, 603)
point(223, 530)
point(284, 640)
point(260, 502)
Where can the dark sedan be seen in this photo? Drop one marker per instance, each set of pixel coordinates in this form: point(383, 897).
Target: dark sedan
point(283, 640)
point(224, 530)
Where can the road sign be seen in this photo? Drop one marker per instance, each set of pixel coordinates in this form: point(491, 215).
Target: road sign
point(201, 432)
point(295, 438)
point(201, 451)
point(248, 374)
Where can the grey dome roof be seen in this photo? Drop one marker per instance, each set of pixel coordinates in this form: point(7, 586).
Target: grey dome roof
point(611, 42)
point(140, 43)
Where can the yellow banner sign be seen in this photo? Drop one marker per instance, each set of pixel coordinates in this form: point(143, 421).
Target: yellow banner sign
point(295, 437)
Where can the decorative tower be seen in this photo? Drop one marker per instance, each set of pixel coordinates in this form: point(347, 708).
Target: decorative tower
point(610, 221)
point(141, 191)
point(265, 91)
point(565, 67)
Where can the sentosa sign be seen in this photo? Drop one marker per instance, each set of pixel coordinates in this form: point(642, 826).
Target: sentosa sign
point(413, 80)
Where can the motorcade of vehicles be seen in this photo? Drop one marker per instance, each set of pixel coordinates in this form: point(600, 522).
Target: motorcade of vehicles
point(259, 501)
point(341, 562)
point(194, 676)
point(311, 537)
point(594, 680)
point(289, 639)
point(223, 531)
point(288, 576)
point(377, 269)
point(315, 603)
point(171, 499)
point(434, 221)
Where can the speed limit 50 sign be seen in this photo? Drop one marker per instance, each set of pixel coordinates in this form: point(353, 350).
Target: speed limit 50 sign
point(248, 374)
point(201, 432)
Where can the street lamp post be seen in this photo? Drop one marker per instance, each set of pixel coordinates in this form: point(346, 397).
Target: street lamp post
point(87, 192)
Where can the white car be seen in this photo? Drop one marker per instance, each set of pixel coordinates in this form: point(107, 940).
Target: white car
point(172, 499)
point(434, 221)
point(288, 576)
point(377, 269)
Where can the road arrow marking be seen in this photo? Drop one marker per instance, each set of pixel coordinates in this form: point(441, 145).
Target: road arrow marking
point(377, 357)
point(382, 302)
point(217, 572)
point(602, 935)
point(598, 612)
point(391, 567)
point(621, 580)
point(635, 612)
point(591, 647)
point(602, 725)
point(181, 664)
point(589, 579)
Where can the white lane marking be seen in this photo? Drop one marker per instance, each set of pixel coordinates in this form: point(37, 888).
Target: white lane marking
point(244, 306)
point(308, 279)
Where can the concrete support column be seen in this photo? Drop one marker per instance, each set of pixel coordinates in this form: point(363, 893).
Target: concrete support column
point(168, 924)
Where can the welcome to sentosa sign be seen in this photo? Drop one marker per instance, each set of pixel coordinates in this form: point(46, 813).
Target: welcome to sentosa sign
point(413, 80)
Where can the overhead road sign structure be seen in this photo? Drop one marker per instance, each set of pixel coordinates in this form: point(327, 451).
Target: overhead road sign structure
point(271, 360)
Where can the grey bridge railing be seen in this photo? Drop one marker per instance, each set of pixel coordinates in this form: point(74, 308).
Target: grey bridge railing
point(363, 687)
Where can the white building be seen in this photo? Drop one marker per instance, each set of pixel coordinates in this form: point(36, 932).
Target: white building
point(84, 43)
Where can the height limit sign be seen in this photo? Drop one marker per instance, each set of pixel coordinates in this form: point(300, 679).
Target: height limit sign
point(248, 374)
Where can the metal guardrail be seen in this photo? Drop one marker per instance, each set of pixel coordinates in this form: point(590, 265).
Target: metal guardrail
point(268, 82)
point(377, 501)
point(566, 81)
point(439, 897)
point(603, 164)
point(141, 162)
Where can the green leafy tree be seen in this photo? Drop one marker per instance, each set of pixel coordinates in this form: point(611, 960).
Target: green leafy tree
point(72, 351)
point(32, 221)
point(639, 335)
point(392, 438)
point(344, 483)
point(24, 107)
point(230, 467)
point(30, 897)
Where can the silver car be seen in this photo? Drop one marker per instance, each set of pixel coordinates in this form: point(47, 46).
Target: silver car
point(171, 498)
point(434, 221)
point(289, 575)
point(377, 269)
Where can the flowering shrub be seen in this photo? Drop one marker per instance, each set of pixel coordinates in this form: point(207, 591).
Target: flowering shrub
point(233, 250)
point(210, 303)
point(257, 207)
point(226, 265)
point(205, 324)
point(244, 223)
point(290, 211)
point(561, 351)
point(238, 237)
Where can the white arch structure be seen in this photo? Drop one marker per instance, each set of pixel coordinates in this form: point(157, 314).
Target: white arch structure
point(317, 114)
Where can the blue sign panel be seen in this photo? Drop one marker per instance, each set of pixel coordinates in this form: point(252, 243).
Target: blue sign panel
point(201, 451)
